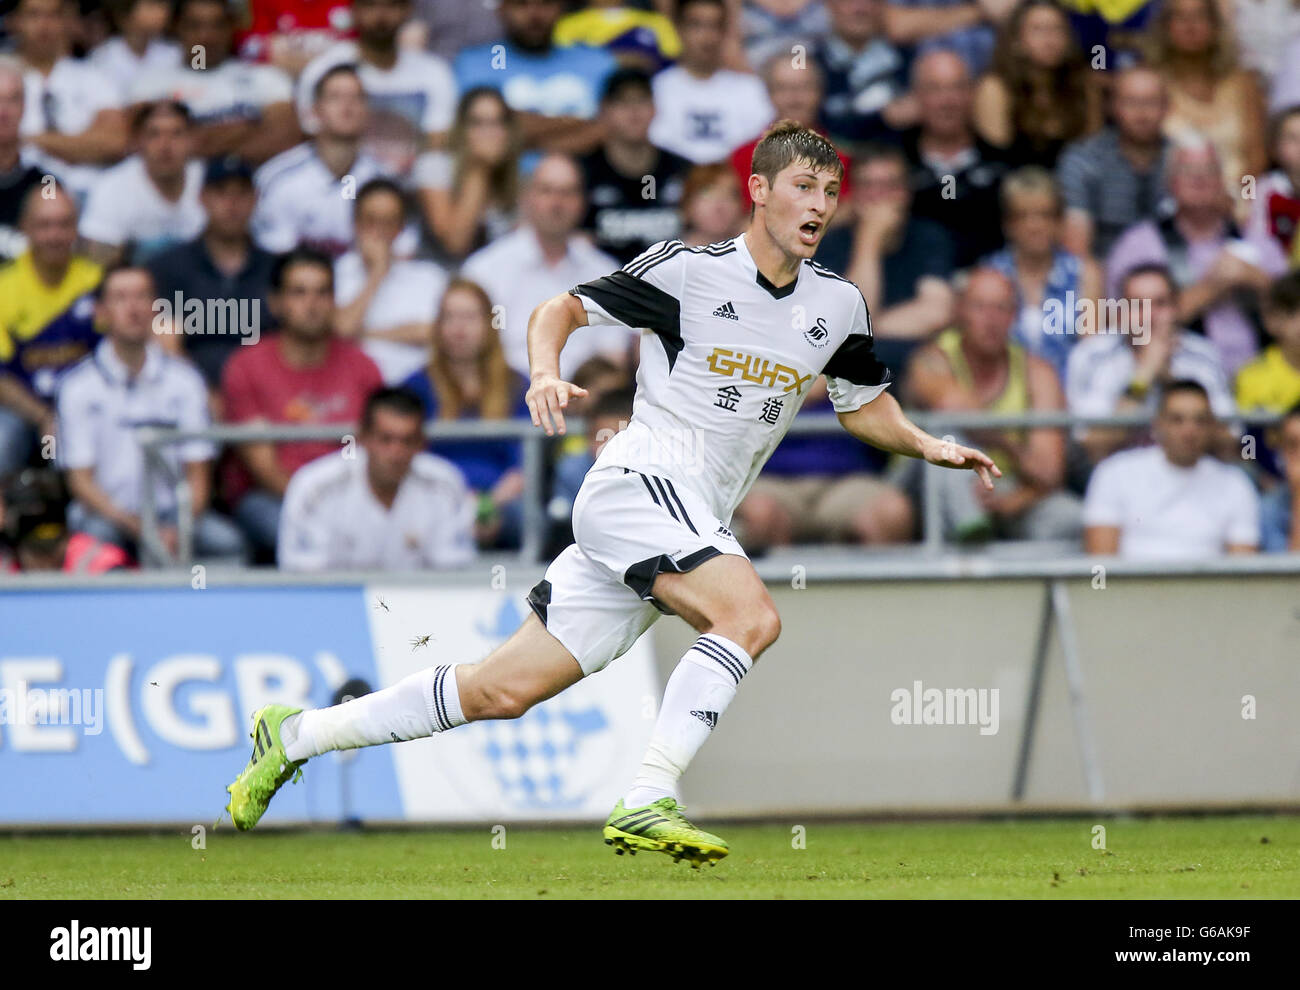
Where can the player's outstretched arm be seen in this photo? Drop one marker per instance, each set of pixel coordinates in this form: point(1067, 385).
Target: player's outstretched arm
point(549, 327)
point(882, 424)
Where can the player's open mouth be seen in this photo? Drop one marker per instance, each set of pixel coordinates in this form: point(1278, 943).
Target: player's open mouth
point(810, 232)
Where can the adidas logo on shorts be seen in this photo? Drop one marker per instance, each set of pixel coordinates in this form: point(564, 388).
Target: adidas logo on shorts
point(726, 311)
point(708, 718)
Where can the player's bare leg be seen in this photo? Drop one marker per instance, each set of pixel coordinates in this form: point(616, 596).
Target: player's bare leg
point(528, 668)
point(726, 602)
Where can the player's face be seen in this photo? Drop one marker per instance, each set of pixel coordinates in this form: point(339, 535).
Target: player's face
point(798, 206)
point(1185, 428)
point(391, 443)
point(342, 109)
point(305, 304)
point(126, 309)
point(462, 325)
point(11, 106)
point(165, 145)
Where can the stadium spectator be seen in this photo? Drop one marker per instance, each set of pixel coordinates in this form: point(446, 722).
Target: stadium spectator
point(1112, 34)
point(864, 76)
point(968, 29)
point(975, 366)
point(33, 520)
point(305, 194)
point(711, 205)
point(1040, 93)
point(139, 44)
point(73, 122)
point(468, 379)
point(1117, 177)
point(1280, 508)
point(543, 257)
point(901, 263)
point(220, 269)
point(1173, 500)
point(468, 192)
point(239, 108)
point(1210, 95)
point(555, 91)
point(633, 188)
point(1122, 367)
point(412, 94)
point(288, 34)
point(387, 505)
point(774, 27)
point(703, 111)
point(796, 94)
point(447, 27)
point(1275, 210)
point(639, 39)
point(1271, 383)
point(130, 380)
point(387, 303)
point(1220, 274)
point(302, 374)
point(823, 488)
point(17, 176)
point(955, 173)
point(1055, 286)
point(149, 201)
point(1262, 29)
point(45, 322)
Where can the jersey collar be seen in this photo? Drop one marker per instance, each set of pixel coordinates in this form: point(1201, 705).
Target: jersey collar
point(762, 280)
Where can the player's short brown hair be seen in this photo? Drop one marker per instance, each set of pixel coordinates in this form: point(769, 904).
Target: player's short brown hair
point(787, 142)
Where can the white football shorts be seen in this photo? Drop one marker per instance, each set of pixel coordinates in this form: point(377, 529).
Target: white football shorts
point(629, 527)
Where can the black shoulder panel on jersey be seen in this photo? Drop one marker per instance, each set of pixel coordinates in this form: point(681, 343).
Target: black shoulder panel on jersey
point(856, 362)
point(639, 304)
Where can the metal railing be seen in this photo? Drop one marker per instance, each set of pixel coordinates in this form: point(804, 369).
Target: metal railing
point(153, 440)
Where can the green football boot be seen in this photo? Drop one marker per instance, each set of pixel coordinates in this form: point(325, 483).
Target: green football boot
point(661, 827)
point(267, 771)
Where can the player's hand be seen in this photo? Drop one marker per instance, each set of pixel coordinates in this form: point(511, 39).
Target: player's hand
point(947, 453)
point(547, 398)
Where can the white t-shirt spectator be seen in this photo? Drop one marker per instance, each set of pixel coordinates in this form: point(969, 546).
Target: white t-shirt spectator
point(515, 275)
point(1102, 365)
point(125, 206)
point(115, 59)
point(419, 86)
point(409, 293)
point(233, 90)
point(99, 407)
point(299, 201)
point(705, 120)
point(66, 102)
point(1168, 512)
point(332, 520)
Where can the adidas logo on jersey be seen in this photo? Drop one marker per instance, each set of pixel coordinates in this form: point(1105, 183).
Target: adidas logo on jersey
point(726, 311)
point(708, 718)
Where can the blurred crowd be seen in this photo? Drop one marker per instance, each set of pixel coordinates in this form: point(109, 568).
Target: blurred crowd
point(344, 211)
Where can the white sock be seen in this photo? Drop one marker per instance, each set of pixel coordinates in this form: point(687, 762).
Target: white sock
point(414, 707)
point(698, 692)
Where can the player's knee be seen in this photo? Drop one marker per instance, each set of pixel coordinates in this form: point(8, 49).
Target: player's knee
point(757, 629)
point(495, 701)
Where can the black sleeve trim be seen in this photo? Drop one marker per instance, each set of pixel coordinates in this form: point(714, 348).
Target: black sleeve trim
point(638, 304)
point(856, 362)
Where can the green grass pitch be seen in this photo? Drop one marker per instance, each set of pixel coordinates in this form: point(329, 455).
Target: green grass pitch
point(1254, 856)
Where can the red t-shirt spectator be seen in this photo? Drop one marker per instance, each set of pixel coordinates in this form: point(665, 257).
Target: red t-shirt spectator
point(258, 385)
point(743, 157)
point(310, 25)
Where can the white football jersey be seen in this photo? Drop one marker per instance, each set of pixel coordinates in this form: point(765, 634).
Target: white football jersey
point(734, 360)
